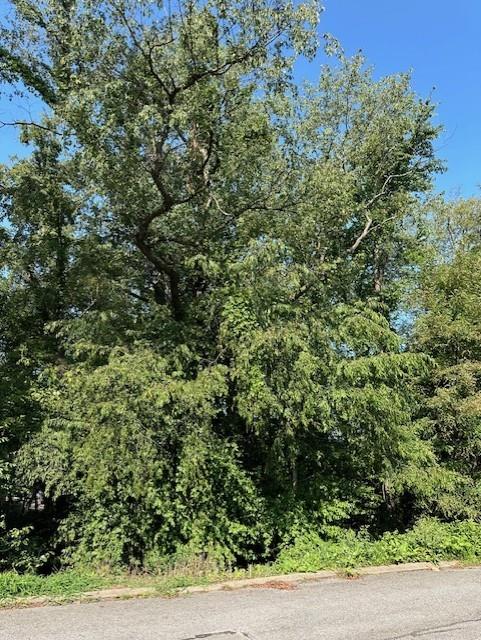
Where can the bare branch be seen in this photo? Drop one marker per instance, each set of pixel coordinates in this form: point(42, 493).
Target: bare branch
point(22, 123)
point(363, 234)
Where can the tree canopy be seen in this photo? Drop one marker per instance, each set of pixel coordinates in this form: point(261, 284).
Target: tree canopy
point(204, 270)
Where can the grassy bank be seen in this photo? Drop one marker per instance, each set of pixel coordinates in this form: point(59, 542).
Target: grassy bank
point(63, 583)
point(428, 541)
point(71, 583)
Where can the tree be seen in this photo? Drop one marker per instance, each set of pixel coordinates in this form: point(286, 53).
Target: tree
point(449, 331)
point(222, 360)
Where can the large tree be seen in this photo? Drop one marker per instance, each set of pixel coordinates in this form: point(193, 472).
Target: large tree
point(223, 250)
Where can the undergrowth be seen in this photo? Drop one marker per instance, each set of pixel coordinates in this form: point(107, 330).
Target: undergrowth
point(335, 548)
point(428, 541)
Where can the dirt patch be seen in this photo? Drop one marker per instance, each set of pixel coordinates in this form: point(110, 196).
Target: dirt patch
point(275, 584)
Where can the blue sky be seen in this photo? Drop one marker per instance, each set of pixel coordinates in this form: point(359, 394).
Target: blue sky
point(439, 40)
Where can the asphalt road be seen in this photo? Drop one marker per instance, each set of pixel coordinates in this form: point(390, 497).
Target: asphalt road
point(421, 605)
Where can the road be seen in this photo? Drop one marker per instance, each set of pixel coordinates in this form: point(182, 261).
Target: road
point(422, 605)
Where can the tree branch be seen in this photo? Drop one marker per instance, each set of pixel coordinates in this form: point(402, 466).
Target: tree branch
point(368, 227)
point(24, 123)
point(364, 233)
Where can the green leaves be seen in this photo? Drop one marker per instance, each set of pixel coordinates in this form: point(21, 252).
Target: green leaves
point(202, 263)
point(449, 330)
point(137, 455)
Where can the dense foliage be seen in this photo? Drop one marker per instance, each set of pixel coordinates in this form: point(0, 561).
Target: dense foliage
point(205, 268)
point(428, 541)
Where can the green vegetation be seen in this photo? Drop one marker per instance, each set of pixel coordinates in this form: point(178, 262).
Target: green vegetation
point(335, 548)
point(66, 583)
point(236, 325)
point(428, 541)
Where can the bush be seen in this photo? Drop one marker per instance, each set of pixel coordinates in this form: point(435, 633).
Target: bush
point(429, 541)
point(20, 549)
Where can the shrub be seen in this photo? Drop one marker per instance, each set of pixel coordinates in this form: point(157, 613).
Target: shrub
point(429, 541)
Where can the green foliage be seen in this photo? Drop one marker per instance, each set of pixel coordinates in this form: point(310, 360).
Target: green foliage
point(201, 267)
point(136, 454)
point(428, 541)
point(450, 330)
point(65, 583)
point(18, 551)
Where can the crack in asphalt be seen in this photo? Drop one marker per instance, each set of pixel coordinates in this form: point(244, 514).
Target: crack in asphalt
point(445, 628)
point(215, 634)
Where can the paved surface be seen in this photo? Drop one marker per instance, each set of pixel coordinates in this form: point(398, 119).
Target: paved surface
point(421, 605)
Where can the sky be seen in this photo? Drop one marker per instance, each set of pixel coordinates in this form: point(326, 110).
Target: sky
point(439, 40)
